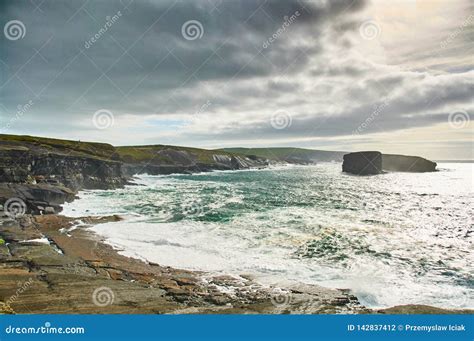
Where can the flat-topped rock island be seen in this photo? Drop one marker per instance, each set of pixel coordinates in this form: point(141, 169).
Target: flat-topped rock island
point(374, 162)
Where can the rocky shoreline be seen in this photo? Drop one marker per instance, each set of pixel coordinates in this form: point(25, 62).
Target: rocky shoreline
point(54, 264)
point(61, 267)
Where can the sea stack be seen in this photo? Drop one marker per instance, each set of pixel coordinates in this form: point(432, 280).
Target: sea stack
point(363, 163)
point(405, 163)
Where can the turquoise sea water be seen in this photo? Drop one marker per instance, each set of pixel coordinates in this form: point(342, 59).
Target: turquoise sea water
point(392, 239)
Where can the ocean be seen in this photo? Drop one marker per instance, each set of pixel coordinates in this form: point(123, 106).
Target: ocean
point(395, 238)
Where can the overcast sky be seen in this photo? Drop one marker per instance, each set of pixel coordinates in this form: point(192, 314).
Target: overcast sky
point(395, 76)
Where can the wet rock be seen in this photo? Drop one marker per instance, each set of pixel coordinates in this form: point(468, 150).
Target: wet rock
point(19, 199)
point(49, 210)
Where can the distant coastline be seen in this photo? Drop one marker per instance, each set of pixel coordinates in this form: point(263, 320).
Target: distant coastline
point(454, 161)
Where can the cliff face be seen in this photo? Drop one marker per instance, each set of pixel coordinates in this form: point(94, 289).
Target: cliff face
point(168, 159)
point(290, 155)
point(404, 163)
point(74, 172)
point(363, 163)
point(37, 175)
point(75, 168)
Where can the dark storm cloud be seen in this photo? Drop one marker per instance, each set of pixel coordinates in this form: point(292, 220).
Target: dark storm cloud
point(143, 54)
point(247, 64)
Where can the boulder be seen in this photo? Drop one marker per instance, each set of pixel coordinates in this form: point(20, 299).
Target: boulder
point(405, 163)
point(19, 199)
point(49, 210)
point(362, 163)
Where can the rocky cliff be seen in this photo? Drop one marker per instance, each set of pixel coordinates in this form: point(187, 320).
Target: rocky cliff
point(159, 159)
point(37, 175)
point(367, 163)
point(405, 163)
point(290, 155)
point(42, 173)
point(72, 171)
point(363, 163)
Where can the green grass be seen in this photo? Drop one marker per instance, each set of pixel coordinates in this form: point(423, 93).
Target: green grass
point(2, 241)
point(130, 154)
point(146, 153)
point(91, 149)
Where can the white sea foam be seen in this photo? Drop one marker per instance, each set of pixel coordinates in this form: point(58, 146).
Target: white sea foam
point(42, 240)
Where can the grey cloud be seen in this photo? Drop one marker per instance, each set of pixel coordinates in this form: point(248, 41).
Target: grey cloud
point(159, 61)
point(143, 65)
point(422, 101)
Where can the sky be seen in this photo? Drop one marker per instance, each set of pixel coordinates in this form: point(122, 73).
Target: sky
point(395, 76)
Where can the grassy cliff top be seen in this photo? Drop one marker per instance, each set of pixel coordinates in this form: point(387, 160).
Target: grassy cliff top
point(131, 154)
point(154, 153)
point(50, 145)
point(157, 152)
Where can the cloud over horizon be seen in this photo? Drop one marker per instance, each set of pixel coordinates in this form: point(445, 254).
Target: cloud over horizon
point(339, 74)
